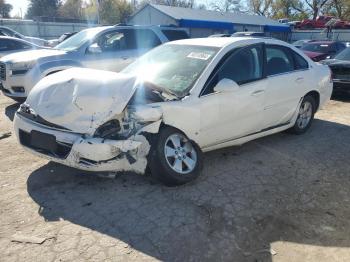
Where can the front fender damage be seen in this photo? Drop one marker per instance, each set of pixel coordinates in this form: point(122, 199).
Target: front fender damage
point(130, 154)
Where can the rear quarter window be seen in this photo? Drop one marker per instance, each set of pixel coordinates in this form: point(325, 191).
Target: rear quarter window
point(173, 35)
point(299, 62)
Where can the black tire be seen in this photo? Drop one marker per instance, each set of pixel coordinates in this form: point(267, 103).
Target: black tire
point(299, 129)
point(160, 165)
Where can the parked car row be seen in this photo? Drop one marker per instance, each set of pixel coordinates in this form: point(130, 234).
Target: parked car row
point(335, 54)
point(109, 48)
point(10, 45)
point(5, 31)
point(320, 50)
point(323, 22)
point(340, 66)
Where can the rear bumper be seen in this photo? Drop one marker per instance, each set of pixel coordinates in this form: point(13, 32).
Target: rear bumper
point(91, 154)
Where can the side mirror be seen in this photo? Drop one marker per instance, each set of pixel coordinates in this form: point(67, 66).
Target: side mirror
point(226, 85)
point(94, 49)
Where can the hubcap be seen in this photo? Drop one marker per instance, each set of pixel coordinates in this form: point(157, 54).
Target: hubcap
point(305, 114)
point(180, 154)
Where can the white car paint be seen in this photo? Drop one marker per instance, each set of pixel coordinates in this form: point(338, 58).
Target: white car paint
point(43, 62)
point(73, 99)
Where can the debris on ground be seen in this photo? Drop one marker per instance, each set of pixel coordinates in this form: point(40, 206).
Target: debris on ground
point(28, 239)
point(5, 135)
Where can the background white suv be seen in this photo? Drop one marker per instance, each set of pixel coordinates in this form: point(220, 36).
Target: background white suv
point(109, 48)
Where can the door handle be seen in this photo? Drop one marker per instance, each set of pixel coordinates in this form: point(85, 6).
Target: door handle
point(125, 57)
point(258, 92)
point(299, 79)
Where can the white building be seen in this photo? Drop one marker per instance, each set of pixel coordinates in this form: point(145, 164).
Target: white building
point(202, 23)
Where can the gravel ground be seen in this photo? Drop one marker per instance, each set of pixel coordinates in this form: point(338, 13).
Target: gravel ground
point(280, 198)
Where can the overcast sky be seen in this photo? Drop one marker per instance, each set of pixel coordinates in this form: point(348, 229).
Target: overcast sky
point(18, 5)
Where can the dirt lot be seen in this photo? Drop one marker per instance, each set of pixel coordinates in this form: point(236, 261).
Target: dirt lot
point(280, 198)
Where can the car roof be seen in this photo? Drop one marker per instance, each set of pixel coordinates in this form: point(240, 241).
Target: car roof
point(224, 41)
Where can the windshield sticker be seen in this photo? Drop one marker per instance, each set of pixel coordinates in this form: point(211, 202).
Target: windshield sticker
point(199, 55)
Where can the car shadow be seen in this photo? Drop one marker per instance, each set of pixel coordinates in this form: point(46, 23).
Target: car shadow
point(279, 188)
point(10, 110)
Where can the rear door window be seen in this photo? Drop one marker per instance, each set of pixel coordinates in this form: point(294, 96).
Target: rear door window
point(299, 62)
point(279, 60)
point(146, 38)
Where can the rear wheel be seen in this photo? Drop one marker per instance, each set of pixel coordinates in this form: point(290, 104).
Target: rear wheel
point(175, 159)
point(305, 116)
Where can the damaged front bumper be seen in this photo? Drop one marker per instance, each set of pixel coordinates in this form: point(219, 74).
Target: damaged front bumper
point(91, 154)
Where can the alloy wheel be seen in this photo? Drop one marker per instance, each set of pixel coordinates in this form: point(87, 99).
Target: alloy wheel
point(180, 154)
point(305, 114)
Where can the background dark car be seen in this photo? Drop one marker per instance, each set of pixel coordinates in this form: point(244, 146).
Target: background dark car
point(9, 45)
point(320, 50)
point(340, 67)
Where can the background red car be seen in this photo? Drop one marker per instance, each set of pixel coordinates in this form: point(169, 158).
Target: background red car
point(320, 50)
point(320, 22)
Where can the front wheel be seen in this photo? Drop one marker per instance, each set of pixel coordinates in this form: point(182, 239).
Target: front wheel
point(305, 116)
point(175, 160)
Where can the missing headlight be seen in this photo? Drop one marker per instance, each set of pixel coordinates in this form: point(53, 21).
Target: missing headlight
point(108, 130)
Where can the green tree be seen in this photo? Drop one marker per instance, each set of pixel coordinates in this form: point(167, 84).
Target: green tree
point(226, 5)
point(291, 9)
point(114, 11)
point(260, 7)
point(71, 9)
point(5, 9)
point(338, 8)
point(177, 3)
point(42, 8)
point(315, 7)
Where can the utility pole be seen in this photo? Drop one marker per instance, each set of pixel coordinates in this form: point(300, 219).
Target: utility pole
point(98, 10)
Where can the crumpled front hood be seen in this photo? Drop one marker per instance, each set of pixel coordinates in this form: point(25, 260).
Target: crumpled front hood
point(81, 99)
point(31, 55)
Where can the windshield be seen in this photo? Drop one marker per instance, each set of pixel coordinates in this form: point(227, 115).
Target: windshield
point(77, 40)
point(173, 68)
point(343, 55)
point(300, 42)
point(318, 48)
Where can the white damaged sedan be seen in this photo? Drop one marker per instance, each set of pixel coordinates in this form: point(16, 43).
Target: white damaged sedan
point(177, 101)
